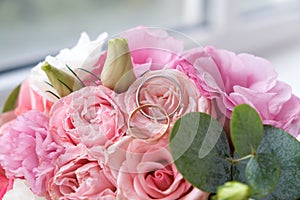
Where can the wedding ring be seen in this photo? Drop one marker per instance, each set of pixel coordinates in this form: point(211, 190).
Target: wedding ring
point(137, 97)
point(146, 135)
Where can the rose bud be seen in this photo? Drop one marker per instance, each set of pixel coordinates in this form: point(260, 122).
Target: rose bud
point(63, 83)
point(233, 191)
point(117, 73)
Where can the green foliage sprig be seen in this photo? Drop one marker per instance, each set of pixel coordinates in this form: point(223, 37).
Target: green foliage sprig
point(265, 158)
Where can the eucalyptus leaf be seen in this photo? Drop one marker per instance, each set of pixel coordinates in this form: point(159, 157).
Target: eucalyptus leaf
point(246, 129)
point(186, 141)
point(287, 151)
point(11, 100)
point(262, 174)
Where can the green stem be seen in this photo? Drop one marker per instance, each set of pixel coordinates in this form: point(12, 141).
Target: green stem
point(239, 159)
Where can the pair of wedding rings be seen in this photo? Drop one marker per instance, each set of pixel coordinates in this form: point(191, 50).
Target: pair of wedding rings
point(164, 116)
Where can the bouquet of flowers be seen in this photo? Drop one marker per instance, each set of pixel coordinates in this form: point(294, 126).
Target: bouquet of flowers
point(139, 117)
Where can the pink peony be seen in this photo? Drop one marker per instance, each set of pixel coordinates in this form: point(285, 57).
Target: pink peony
point(79, 177)
point(236, 79)
point(89, 116)
point(28, 151)
point(166, 93)
point(145, 171)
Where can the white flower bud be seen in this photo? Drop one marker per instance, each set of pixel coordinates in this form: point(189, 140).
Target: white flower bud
point(117, 73)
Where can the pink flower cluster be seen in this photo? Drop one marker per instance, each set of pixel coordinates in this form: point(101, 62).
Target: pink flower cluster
point(80, 146)
point(28, 150)
point(232, 79)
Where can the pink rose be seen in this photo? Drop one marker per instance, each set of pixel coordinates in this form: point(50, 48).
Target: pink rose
point(145, 170)
point(30, 100)
point(89, 116)
point(152, 49)
point(28, 151)
point(79, 177)
point(5, 183)
point(236, 79)
point(165, 90)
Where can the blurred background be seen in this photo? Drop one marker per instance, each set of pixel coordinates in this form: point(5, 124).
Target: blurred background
point(33, 29)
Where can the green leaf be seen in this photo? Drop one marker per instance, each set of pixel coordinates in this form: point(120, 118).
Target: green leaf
point(62, 82)
point(11, 100)
point(186, 146)
point(246, 129)
point(287, 151)
point(262, 174)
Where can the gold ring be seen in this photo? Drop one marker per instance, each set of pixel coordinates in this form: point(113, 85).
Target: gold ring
point(145, 136)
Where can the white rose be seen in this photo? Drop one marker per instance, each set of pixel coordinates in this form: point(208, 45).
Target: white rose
point(84, 54)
